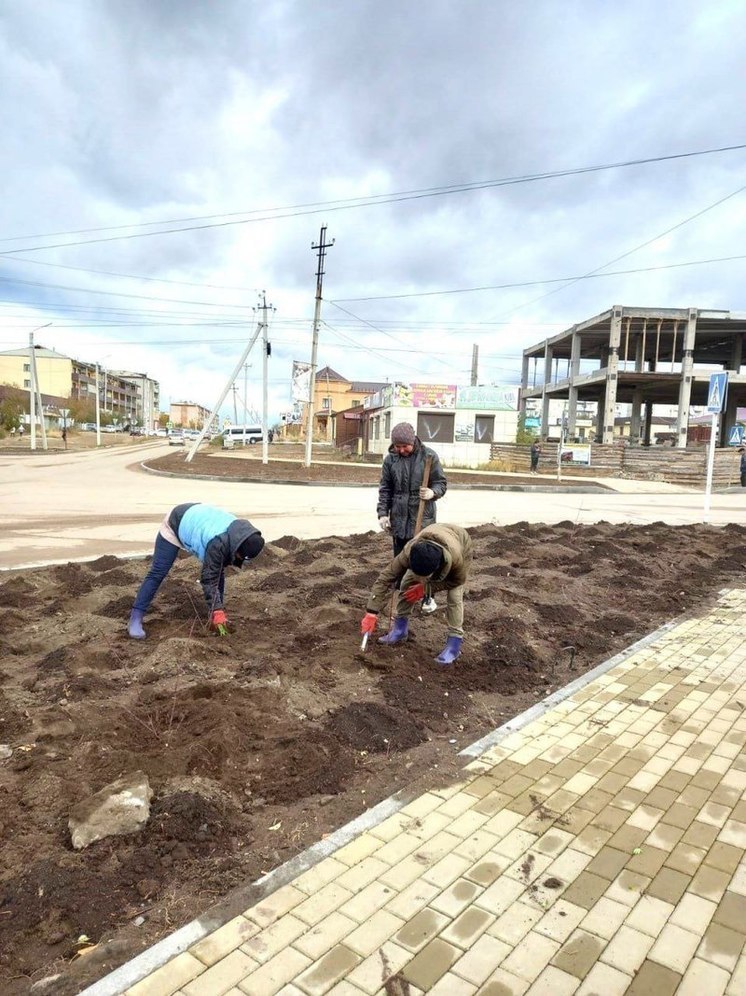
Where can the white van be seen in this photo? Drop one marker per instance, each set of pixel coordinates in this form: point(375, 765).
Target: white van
point(241, 435)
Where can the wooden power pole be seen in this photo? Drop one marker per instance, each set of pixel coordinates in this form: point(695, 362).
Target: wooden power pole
point(322, 246)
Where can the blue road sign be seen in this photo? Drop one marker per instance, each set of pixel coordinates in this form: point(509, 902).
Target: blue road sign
point(717, 393)
point(735, 436)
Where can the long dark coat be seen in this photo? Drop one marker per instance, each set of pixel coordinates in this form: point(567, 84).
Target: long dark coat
point(399, 490)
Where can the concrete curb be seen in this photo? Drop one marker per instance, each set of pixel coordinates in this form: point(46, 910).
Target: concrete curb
point(560, 489)
point(244, 897)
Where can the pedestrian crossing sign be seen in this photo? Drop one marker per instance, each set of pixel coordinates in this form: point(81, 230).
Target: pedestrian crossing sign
point(717, 393)
point(735, 437)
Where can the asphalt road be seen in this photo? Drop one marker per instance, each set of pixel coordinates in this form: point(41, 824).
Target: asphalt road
point(80, 505)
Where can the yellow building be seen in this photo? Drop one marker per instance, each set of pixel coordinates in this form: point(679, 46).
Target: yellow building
point(188, 415)
point(55, 371)
point(334, 393)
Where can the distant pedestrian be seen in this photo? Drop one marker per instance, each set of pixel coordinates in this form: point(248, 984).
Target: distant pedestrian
point(21, 430)
point(742, 451)
point(535, 454)
point(12, 430)
point(64, 437)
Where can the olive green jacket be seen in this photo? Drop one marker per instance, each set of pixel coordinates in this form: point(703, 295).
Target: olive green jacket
point(457, 555)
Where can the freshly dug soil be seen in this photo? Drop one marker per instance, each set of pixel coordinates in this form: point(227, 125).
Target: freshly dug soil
point(248, 467)
point(258, 744)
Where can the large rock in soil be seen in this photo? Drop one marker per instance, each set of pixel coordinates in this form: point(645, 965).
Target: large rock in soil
point(119, 808)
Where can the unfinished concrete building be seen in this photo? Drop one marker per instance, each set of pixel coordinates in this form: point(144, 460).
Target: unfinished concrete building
point(641, 357)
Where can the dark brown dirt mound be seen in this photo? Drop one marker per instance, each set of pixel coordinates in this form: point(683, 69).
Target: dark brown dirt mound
point(15, 594)
point(431, 699)
point(103, 564)
point(189, 817)
point(73, 579)
point(376, 728)
point(313, 764)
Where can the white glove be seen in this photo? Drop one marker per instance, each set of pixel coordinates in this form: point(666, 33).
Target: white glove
point(384, 522)
point(427, 494)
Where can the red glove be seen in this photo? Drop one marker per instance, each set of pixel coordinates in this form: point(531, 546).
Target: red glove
point(415, 593)
point(219, 622)
point(370, 620)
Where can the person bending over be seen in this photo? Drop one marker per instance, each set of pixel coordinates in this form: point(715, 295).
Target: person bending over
point(437, 559)
point(217, 538)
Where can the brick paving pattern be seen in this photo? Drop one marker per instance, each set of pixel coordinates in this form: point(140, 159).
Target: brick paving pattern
point(599, 850)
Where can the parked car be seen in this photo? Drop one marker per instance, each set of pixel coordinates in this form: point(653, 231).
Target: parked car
point(176, 439)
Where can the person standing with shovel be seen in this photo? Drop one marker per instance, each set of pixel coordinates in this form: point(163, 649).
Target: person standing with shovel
point(412, 480)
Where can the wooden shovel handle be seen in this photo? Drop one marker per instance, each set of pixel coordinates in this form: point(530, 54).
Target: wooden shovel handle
point(425, 482)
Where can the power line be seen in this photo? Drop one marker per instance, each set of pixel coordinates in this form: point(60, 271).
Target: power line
point(534, 283)
point(630, 252)
point(275, 214)
point(108, 293)
point(131, 276)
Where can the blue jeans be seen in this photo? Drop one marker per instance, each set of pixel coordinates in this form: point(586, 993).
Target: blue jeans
point(164, 557)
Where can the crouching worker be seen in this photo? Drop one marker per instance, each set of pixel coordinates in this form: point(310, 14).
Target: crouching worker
point(437, 559)
point(217, 538)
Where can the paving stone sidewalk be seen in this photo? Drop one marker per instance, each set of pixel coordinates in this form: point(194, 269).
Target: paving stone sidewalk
point(598, 850)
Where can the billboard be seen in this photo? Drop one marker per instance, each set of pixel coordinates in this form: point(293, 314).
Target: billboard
point(577, 453)
point(493, 399)
point(301, 380)
point(424, 395)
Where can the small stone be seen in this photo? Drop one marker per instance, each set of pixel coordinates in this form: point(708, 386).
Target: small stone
point(139, 921)
point(6, 751)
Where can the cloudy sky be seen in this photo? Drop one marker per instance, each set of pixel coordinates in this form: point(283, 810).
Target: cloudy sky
point(166, 161)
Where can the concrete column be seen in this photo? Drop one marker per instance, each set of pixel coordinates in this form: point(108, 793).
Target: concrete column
point(685, 385)
point(612, 375)
point(572, 411)
point(548, 358)
point(728, 417)
point(648, 423)
point(524, 385)
point(600, 405)
point(736, 356)
point(639, 358)
point(572, 407)
point(636, 420)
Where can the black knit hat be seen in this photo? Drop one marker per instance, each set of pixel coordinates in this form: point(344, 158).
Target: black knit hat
point(425, 559)
point(251, 547)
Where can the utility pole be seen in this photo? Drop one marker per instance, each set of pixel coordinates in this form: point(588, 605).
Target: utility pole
point(235, 409)
point(35, 376)
point(32, 392)
point(265, 381)
point(223, 394)
point(33, 381)
point(246, 391)
point(322, 246)
point(474, 365)
point(98, 407)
